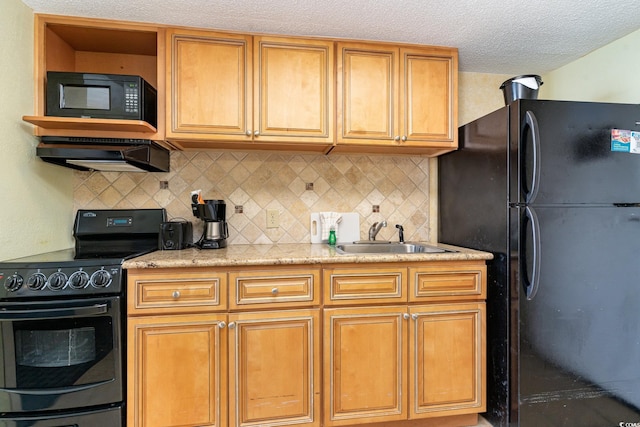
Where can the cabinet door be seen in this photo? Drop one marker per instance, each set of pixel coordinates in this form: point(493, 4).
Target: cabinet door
point(447, 358)
point(367, 93)
point(365, 365)
point(294, 98)
point(274, 368)
point(176, 371)
point(428, 85)
point(209, 85)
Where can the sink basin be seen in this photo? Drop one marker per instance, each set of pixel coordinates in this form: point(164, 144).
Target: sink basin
point(387, 248)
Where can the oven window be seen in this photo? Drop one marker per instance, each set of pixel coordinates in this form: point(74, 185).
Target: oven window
point(64, 352)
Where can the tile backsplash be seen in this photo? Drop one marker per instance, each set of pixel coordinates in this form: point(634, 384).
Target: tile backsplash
point(258, 181)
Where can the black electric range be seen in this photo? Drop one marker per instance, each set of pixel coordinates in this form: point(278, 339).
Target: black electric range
point(63, 324)
point(104, 239)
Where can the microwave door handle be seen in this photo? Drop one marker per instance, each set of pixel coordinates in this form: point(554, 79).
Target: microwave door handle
point(53, 313)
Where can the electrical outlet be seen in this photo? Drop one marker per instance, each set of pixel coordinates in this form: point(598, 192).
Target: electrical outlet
point(273, 218)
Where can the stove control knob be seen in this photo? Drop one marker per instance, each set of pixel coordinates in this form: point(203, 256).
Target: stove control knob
point(57, 281)
point(13, 283)
point(79, 280)
point(36, 281)
point(101, 279)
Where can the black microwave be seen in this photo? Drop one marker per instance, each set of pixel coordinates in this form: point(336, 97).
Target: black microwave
point(103, 96)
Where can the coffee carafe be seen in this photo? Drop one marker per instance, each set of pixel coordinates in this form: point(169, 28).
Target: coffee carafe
point(215, 233)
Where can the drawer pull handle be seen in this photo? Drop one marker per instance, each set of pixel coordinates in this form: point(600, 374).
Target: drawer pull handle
point(274, 291)
point(176, 294)
point(232, 325)
point(222, 325)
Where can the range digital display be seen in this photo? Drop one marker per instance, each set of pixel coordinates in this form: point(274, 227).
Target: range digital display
point(120, 222)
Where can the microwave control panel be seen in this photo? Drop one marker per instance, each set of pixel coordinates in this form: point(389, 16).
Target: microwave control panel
point(131, 99)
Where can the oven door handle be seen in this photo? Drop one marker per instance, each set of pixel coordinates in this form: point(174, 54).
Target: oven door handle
point(55, 391)
point(53, 313)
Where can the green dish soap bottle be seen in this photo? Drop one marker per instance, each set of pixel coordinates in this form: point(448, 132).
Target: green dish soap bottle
point(332, 236)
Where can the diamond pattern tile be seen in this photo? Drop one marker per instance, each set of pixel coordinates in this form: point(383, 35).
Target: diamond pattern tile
point(259, 181)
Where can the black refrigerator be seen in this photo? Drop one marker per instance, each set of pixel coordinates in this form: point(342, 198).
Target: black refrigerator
point(552, 189)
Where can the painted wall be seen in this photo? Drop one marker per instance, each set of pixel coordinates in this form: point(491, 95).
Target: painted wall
point(479, 94)
point(36, 199)
point(609, 74)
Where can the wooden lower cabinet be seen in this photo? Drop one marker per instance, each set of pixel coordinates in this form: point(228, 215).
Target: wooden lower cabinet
point(274, 368)
point(179, 373)
point(404, 362)
point(447, 358)
point(365, 365)
point(369, 353)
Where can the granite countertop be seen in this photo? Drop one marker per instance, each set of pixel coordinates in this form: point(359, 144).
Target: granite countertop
point(288, 254)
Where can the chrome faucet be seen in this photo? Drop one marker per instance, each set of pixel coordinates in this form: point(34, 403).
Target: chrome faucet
point(400, 233)
point(375, 229)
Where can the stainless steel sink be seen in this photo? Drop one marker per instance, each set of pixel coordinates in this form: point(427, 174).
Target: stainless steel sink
point(374, 247)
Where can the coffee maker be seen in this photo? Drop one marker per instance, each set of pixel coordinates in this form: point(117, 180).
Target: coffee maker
point(213, 213)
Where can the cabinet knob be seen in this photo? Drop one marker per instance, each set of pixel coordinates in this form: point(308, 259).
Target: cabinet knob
point(274, 291)
point(222, 325)
point(248, 133)
point(176, 294)
point(404, 138)
point(397, 138)
point(256, 133)
point(414, 316)
point(406, 316)
point(232, 325)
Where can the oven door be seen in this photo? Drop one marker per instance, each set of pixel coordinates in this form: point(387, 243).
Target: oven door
point(60, 354)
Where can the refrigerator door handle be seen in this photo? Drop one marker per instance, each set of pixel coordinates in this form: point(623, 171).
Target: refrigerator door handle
point(532, 124)
point(531, 286)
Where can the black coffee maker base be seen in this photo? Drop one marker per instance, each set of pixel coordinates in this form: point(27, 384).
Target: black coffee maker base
point(212, 244)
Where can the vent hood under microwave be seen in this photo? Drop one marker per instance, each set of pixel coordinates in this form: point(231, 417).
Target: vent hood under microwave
point(104, 154)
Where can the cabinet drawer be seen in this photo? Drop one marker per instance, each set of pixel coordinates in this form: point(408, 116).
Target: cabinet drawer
point(176, 292)
point(346, 285)
point(441, 281)
point(281, 288)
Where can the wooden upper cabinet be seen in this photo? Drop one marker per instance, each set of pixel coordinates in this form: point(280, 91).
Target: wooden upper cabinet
point(240, 91)
point(84, 45)
point(209, 85)
point(428, 84)
point(294, 81)
point(401, 100)
point(367, 93)
point(232, 91)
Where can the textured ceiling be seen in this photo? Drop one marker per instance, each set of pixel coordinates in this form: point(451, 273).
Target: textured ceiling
point(493, 36)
